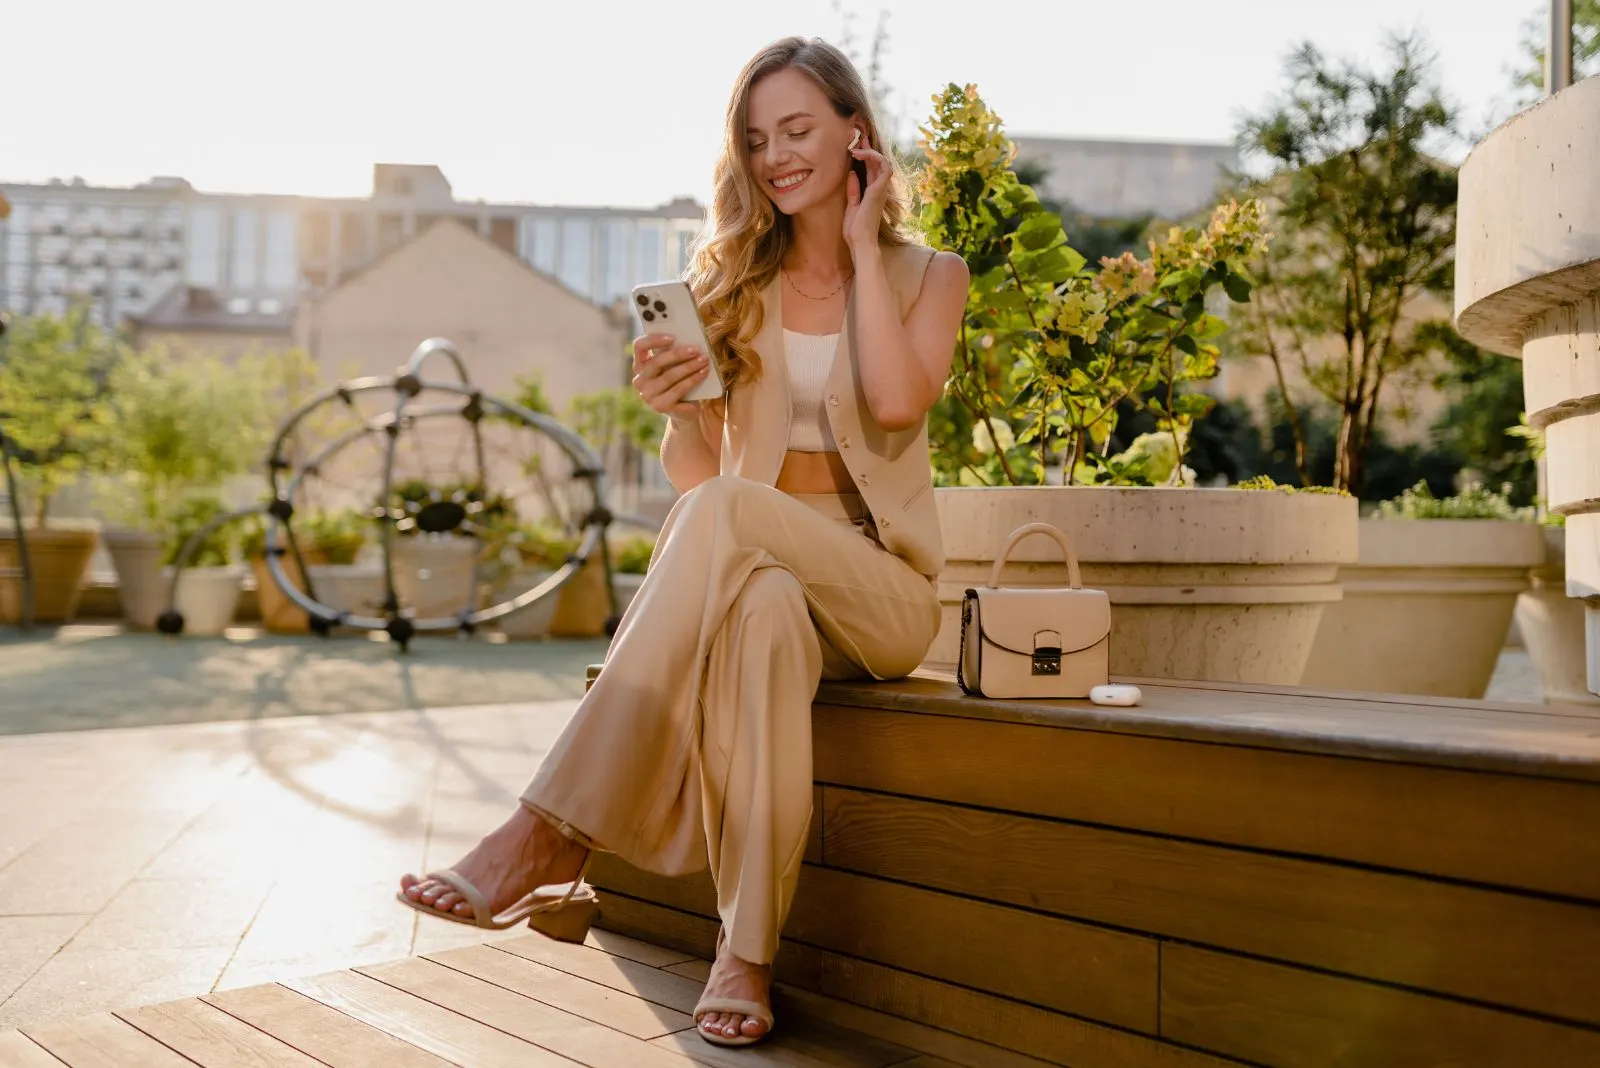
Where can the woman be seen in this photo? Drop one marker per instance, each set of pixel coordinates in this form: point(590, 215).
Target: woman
point(805, 545)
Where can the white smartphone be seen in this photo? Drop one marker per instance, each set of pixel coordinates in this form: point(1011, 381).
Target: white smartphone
point(668, 308)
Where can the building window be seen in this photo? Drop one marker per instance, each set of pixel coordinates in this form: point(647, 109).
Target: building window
point(245, 225)
point(541, 241)
point(649, 261)
point(281, 267)
point(577, 254)
point(616, 272)
point(204, 247)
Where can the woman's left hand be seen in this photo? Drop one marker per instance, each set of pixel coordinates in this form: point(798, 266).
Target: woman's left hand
point(864, 208)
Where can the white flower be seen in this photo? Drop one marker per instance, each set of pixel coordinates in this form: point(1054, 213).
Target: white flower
point(1002, 435)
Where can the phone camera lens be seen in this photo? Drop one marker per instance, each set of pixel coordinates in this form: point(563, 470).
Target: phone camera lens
point(644, 301)
point(660, 307)
point(649, 316)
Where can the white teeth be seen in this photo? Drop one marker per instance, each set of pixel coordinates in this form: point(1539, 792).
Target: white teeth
point(791, 180)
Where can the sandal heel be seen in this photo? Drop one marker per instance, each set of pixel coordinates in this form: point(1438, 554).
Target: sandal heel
point(568, 922)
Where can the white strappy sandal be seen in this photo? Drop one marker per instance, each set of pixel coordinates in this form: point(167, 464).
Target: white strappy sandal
point(565, 918)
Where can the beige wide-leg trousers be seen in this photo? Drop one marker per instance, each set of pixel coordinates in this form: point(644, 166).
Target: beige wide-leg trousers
point(694, 744)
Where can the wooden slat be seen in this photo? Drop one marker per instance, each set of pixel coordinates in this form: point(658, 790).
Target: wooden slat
point(1049, 1036)
point(814, 829)
point(209, 1036)
point(1297, 1019)
point(103, 1041)
point(1089, 971)
point(615, 945)
point(319, 1031)
point(794, 1044)
point(1492, 946)
point(17, 1050)
point(620, 1010)
point(505, 1008)
point(425, 1025)
point(1477, 826)
point(1520, 740)
point(651, 984)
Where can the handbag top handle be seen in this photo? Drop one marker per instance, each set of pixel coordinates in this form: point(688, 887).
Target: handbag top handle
point(1074, 576)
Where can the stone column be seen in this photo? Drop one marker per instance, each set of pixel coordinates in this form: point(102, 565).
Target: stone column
point(1528, 285)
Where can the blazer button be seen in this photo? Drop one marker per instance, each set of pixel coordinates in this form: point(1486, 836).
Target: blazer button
point(865, 481)
point(883, 522)
point(833, 399)
point(844, 443)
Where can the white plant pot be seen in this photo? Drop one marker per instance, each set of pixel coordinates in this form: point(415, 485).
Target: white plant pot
point(1426, 608)
point(142, 581)
point(353, 588)
point(207, 598)
point(533, 621)
point(1552, 625)
point(1214, 584)
point(435, 577)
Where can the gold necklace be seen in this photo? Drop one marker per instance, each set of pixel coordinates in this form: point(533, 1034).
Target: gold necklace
point(808, 296)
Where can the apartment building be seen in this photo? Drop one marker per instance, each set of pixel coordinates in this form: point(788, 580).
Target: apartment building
point(125, 249)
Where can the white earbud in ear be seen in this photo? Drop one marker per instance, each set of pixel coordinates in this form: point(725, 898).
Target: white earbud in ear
point(855, 139)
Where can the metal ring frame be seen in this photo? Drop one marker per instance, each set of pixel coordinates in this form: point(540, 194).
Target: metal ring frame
point(408, 385)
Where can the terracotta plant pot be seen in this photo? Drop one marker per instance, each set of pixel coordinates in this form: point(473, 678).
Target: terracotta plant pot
point(142, 581)
point(207, 598)
point(1426, 608)
point(1213, 584)
point(279, 614)
point(1552, 627)
point(59, 559)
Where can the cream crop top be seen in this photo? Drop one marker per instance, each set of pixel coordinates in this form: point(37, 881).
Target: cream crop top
point(810, 358)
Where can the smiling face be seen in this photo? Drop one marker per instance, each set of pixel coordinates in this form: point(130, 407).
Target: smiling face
point(797, 142)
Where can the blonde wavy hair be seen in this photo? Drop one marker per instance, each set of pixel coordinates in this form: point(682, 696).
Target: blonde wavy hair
point(745, 237)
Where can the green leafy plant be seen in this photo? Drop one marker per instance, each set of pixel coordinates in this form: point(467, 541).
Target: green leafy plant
point(1472, 502)
point(543, 546)
point(1049, 350)
point(178, 426)
point(339, 535)
point(1265, 482)
point(219, 548)
point(631, 555)
point(53, 401)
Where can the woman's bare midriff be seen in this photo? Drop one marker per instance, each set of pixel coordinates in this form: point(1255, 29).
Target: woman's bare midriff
point(814, 472)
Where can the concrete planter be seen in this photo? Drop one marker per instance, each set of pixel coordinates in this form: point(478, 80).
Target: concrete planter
point(1528, 285)
point(1552, 626)
point(533, 621)
point(435, 577)
point(59, 559)
point(1221, 585)
point(142, 580)
point(1426, 608)
point(207, 599)
point(353, 588)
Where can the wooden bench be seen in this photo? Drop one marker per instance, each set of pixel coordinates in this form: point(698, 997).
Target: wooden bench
point(1225, 874)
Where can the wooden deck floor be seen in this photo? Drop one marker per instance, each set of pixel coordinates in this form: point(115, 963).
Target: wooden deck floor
point(520, 1003)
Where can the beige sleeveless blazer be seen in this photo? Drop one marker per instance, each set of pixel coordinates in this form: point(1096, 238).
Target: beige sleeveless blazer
point(891, 470)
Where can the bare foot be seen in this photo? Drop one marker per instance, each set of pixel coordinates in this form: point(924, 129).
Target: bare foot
point(513, 860)
point(732, 977)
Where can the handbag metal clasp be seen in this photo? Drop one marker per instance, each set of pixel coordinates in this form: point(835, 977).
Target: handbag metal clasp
point(1046, 658)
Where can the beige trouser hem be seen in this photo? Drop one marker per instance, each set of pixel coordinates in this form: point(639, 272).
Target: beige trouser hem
point(694, 744)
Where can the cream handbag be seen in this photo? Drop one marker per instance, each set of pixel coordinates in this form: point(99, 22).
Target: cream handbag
point(1035, 642)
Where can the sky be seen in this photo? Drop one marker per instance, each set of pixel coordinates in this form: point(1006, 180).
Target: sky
point(621, 102)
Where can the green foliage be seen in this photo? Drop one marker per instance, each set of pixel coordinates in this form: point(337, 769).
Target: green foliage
point(489, 516)
point(52, 400)
point(529, 393)
point(1049, 350)
point(340, 535)
point(1473, 502)
point(631, 555)
point(1529, 79)
point(178, 427)
point(542, 545)
point(611, 416)
point(1265, 482)
point(1364, 214)
point(1483, 424)
point(219, 548)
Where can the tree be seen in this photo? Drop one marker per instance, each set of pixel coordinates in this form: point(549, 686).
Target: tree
point(1363, 217)
point(52, 404)
point(1096, 236)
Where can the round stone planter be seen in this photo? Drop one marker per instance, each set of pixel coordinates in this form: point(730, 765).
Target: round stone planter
point(353, 588)
point(1210, 584)
point(59, 559)
point(435, 577)
point(1426, 607)
point(142, 581)
point(207, 599)
point(533, 621)
point(1552, 627)
point(1528, 285)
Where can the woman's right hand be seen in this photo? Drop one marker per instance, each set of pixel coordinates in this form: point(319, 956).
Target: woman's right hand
point(664, 373)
